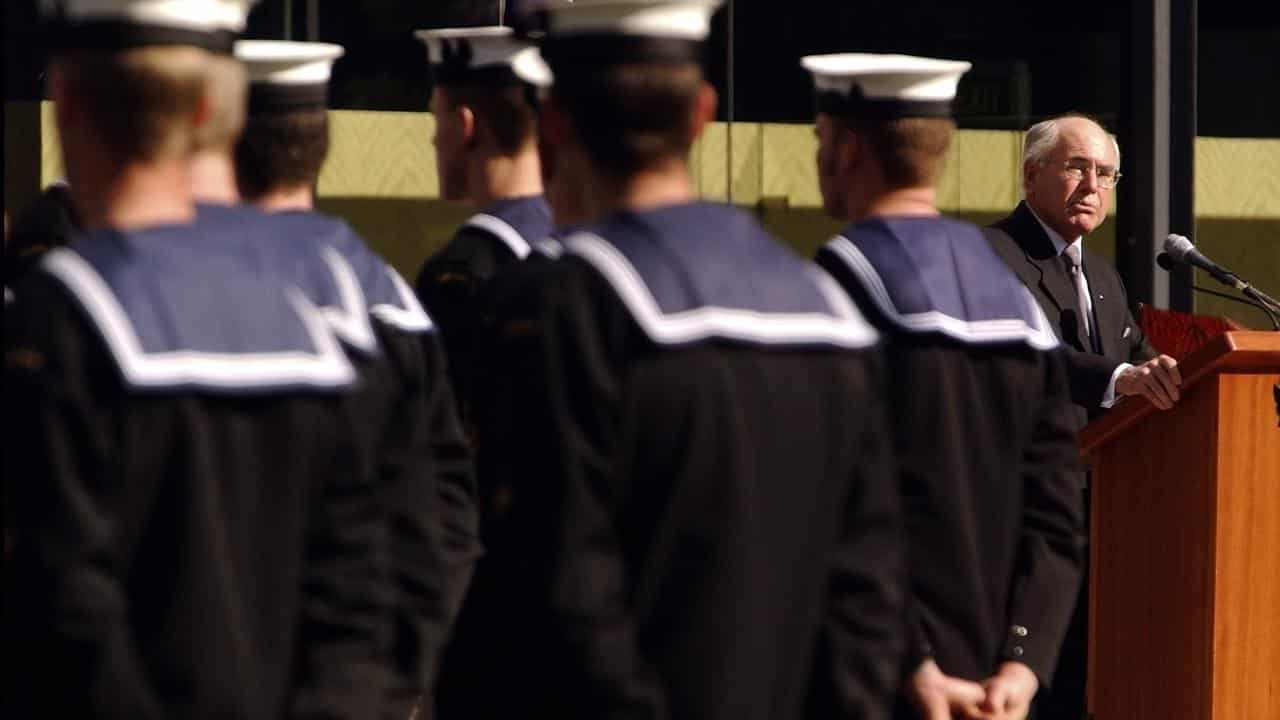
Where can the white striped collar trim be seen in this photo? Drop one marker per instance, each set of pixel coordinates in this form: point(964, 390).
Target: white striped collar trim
point(502, 230)
point(550, 247)
point(845, 327)
point(1039, 336)
point(409, 315)
point(328, 366)
point(350, 321)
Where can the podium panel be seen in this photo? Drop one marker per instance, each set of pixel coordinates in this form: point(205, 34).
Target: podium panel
point(1247, 631)
point(1185, 544)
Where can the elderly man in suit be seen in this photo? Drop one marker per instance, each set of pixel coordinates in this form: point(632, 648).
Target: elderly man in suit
point(1070, 166)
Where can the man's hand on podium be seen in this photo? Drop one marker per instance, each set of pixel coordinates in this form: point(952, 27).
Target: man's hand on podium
point(1158, 380)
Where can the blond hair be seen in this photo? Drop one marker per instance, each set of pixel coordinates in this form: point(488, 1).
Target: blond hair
point(228, 91)
point(911, 152)
point(140, 102)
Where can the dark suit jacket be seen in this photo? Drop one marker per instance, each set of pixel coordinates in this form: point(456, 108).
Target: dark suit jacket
point(1025, 247)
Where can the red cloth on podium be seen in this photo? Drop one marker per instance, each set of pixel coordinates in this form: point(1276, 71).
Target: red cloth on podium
point(1176, 334)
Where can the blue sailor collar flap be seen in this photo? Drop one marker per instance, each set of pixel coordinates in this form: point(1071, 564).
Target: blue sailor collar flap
point(706, 271)
point(388, 296)
point(176, 313)
point(330, 263)
point(936, 274)
point(518, 223)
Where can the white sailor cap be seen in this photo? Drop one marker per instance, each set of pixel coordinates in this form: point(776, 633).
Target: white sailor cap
point(119, 24)
point(884, 87)
point(591, 33)
point(286, 76)
point(487, 55)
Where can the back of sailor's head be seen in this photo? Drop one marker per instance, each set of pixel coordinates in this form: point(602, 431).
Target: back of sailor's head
point(137, 69)
point(629, 75)
point(901, 104)
point(286, 138)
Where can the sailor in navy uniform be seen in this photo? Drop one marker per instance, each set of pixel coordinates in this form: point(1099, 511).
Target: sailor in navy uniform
point(49, 222)
point(422, 455)
point(198, 532)
point(982, 419)
point(711, 530)
point(486, 156)
point(510, 422)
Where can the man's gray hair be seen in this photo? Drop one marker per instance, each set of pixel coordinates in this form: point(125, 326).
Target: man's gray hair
point(1042, 137)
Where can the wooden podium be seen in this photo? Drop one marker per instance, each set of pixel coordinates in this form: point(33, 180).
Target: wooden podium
point(1185, 543)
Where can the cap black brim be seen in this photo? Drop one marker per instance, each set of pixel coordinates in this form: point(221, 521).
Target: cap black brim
point(116, 35)
point(268, 98)
point(593, 50)
point(856, 105)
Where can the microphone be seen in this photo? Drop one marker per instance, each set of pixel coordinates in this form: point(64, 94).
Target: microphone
point(1166, 263)
point(1181, 249)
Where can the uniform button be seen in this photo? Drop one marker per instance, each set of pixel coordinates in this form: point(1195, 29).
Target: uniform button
point(1019, 630)
point(1017, 651)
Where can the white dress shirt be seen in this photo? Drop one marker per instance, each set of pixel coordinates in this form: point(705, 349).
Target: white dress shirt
point(1059, 244)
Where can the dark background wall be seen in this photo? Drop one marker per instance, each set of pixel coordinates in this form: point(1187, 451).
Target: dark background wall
point(1031, 58)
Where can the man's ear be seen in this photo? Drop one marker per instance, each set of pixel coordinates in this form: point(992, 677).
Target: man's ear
point(466, 118)
point(704, 110)
point(1030, 171)
point(204, 109)
point(850, 148)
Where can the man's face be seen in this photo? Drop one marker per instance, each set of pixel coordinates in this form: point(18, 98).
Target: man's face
point(830, 180)
point(450, 143)
point(1064, 188)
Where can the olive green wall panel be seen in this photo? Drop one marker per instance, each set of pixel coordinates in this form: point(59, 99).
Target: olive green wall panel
point(389, 154)
point(22, 161)
point(380, 154)
point(1237, 178)
point(405, 231)
point(381, 177)
point(1249, 247)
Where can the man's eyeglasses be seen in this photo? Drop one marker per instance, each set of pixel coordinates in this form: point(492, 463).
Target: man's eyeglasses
point(1076, 169)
